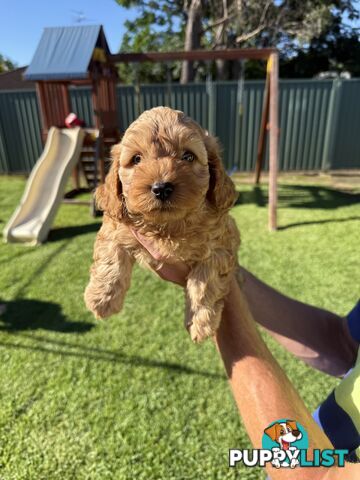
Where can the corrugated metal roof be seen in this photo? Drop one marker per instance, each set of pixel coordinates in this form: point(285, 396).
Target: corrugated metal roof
point(65, 53)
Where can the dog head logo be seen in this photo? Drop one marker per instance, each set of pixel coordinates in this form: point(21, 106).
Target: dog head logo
point(284, 433)
point(285, 438)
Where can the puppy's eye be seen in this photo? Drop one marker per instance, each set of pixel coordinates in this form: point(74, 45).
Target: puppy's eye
point(136, 159)
point(282, 432)
point(188, 156)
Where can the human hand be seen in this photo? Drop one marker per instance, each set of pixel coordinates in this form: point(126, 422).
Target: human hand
point(171, 269)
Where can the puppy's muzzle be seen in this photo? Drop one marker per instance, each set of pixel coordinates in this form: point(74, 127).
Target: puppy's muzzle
point(162, 190)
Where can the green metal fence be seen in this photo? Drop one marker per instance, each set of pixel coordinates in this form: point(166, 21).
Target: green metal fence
point(319, 120)
point(20, 142)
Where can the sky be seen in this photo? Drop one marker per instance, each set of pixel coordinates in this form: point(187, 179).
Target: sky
point(22, 22)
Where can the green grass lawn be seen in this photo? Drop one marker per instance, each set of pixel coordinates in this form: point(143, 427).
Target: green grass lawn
point(132, 397)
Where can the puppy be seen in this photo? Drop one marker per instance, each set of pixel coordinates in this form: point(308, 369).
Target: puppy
point(167, 182)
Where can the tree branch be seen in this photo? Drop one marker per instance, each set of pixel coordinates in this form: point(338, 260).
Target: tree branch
point(226, 19)
point(253, 33)
point(259, 28)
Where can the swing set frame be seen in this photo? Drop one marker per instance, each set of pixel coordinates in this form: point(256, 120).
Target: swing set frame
point(270, 115)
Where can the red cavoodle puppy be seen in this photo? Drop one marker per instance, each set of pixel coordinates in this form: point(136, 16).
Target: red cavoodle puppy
point(168, 183)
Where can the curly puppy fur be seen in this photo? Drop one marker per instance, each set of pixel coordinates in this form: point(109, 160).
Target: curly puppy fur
point(191, 225)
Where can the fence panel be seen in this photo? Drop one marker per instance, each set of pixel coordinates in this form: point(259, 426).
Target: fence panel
point(318, 120)
point(4, 161)
point(346, 147)
point(304, 108)
point(20, 130)
point(80, 100)
point(249, 124)
point(226, 128)
point(127, 110)
point(193, 100)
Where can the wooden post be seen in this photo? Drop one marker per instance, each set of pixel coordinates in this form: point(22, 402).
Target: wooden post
point(65, 99)
point(273, 138)
point(95, 103)
point(43, 111)
point(76, 177)
point(101, 159)
point(263, 127)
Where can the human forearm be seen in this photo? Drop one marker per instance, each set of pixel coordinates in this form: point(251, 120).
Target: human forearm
point(261, 389)
point(310, 333)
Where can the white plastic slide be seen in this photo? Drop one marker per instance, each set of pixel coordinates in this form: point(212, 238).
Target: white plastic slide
point(31, 221)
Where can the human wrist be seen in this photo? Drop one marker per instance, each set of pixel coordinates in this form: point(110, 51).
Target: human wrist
point(237, 335)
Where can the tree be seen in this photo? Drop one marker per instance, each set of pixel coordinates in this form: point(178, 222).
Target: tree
point(290, 25)
point(6, 64)
point(337, 49)
point(193, 10)
point(158, 27)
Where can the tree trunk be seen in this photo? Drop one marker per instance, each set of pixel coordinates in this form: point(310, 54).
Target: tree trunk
point(221, 38)
point(192, 37)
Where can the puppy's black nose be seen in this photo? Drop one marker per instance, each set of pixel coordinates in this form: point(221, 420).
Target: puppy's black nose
point(296, 433)
point(162, 190)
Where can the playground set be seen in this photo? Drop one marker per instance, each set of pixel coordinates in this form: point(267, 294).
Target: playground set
point(80, 56)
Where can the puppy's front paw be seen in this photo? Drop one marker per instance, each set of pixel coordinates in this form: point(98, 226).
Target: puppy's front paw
point(101, 306)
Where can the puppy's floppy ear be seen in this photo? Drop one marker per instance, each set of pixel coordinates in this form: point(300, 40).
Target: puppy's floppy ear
point(221, 194)
point(272, 432)
point(108, 196)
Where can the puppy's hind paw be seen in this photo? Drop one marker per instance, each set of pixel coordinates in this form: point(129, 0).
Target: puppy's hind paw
point(200, 333)
point(202, 326)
